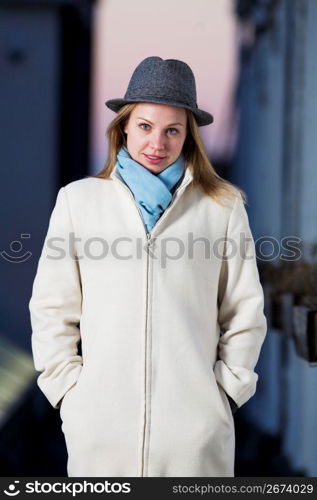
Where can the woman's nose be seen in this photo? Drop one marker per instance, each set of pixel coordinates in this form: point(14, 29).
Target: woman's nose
point(157, 140)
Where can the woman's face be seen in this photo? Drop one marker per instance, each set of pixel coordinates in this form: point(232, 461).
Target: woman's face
point(157, 130)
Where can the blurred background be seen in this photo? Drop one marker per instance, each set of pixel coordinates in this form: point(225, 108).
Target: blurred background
point(256, 71)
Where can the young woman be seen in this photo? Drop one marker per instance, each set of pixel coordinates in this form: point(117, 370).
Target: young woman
point(151, 265)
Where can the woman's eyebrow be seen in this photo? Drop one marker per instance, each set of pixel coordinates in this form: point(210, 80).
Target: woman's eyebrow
point(140, 117)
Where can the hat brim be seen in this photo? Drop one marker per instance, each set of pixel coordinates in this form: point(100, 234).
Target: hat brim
point(202, 117)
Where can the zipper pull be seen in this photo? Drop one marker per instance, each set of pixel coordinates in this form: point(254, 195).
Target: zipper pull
point(150, 241)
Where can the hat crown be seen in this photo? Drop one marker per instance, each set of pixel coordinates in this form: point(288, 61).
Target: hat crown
point(168, 81)
point(155, 77)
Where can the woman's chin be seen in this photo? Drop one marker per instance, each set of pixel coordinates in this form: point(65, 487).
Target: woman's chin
point(155, 169)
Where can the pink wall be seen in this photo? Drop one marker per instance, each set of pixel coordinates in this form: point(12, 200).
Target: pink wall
point(200, 32)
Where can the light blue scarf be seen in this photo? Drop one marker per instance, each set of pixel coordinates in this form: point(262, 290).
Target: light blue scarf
point(152, 192)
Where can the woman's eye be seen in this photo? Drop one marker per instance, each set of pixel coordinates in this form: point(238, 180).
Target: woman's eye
point(174, 130)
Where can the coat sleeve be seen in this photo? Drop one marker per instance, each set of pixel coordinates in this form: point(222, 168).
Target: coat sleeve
point(55, 308)
point(241, 318)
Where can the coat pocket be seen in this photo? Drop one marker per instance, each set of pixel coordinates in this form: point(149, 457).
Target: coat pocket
point(65, 400)
point(225, 401)
point(69, 395)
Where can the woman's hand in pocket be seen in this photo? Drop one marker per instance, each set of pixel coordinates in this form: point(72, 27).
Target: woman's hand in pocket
point(233, 404)
point(66, 395)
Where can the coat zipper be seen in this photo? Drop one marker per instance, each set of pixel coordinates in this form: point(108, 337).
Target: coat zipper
point(149, 241)
point(148, 244)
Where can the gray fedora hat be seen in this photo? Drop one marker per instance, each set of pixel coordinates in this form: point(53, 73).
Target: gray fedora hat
point(167, 82)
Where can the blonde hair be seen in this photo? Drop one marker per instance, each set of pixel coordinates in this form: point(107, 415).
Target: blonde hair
point(195, 154)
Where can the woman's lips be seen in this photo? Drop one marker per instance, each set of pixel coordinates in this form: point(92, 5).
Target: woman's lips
point(155, 159)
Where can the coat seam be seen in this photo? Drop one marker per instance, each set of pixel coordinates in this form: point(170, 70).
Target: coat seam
point(230, 216)
point(225, 251)
point(68, 208)
point(73, 229)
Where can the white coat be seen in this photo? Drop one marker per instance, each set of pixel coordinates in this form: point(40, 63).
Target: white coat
point(166, 327)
